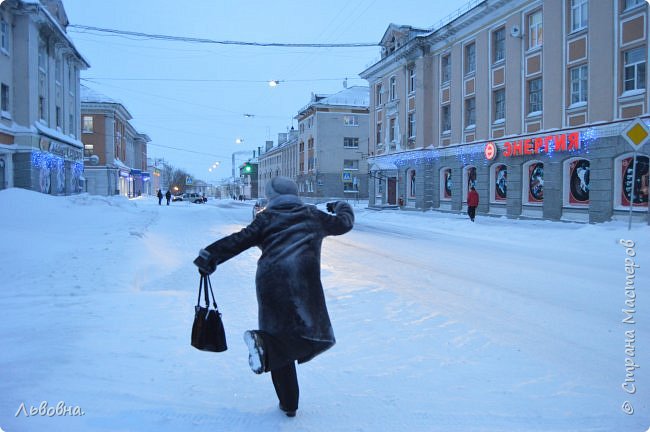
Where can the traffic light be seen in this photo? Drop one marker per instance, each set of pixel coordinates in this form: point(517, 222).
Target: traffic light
point(247, 168)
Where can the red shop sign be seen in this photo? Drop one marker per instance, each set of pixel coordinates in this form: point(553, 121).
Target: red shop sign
point(537, 145)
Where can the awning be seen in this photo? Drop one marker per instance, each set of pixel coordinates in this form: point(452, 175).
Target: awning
point(383, 166)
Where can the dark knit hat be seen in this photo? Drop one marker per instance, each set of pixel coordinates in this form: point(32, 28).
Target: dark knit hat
point(281, 186)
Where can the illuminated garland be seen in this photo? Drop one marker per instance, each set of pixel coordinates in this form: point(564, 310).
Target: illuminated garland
point(46, 160)
point(470, 154)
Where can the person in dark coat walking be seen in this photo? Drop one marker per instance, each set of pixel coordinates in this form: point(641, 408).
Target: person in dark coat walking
point(160, 197)
point(294, 324)
point(168, 196)
point(472, 203)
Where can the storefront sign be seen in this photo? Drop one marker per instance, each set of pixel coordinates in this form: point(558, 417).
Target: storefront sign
point(490, 151)
point(538, 145)
point(65, 151)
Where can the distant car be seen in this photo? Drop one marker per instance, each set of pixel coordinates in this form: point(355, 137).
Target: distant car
point(259, 205)
point(193, 198)
point(177, 198)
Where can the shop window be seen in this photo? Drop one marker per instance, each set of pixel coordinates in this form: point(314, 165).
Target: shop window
point(576, 182)
point(410, 175)
point(469, 180)
point(499, 183)
point(445, 184)
point(533, 183)
point(631, 182)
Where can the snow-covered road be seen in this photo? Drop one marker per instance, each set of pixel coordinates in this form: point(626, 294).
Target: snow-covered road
point(441, 325)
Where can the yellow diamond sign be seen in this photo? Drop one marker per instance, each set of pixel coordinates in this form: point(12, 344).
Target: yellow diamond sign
point(636, 133)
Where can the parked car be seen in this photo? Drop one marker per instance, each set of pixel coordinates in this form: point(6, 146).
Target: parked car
point(259, 205)
point(193, 198)
point(177, 198)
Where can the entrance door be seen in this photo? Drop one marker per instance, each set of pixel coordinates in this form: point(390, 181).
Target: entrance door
point(391, 191)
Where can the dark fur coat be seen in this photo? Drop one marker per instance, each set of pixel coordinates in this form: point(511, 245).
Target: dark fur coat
point(290, 296)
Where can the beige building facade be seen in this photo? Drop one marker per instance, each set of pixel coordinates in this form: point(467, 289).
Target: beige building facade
point(40, 146)
point(526, 100)
point(115, 153)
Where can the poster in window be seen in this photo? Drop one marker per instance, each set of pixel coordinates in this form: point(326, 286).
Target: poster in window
point(640, 181)
point(471, 178)
point(579, 182)
point(536, 183)
point(500, 180)
point(412, 183)
point(447, 184)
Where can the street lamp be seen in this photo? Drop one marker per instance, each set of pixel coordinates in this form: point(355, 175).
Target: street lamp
point(274, 83)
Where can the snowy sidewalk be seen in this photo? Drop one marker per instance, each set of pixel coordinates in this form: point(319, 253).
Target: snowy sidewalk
point(441, 325)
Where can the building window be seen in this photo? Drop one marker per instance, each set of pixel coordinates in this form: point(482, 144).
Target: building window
point(535, 96)
point(445, 118)
point(445, 69)
point(89, 150)
point(392, 130)
point(350, 164)
point(87, 125)
point(634, 75)
point(579, 12)
point(350, 120)
point(535, 31)
point(4, 98)
point(4, 35)
point(470, 112)
point(350, 142)
point(412, 183)
point(470, 58)
point(499, 45)
point(379, 90)
point(534, 183)
point(59, 117)
point(393, 88)
point(629, 4)
point(42, 80)
point(499, 104)
point(499, 191)
point(576, 182)
point(445, 184)
point(412, 79)
point(578, 84)
point(378, 135)
point(411, 126)
point(632, 182)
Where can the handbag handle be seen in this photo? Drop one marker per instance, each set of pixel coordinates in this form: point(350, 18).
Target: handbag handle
point(204, 283)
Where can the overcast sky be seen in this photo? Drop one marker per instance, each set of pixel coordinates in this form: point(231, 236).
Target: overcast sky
point(194, 97)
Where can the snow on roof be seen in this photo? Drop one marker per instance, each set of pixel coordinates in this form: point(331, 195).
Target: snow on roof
point(352, 96)
point(90, 95)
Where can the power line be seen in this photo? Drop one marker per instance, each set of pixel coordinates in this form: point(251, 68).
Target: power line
point(221, 42)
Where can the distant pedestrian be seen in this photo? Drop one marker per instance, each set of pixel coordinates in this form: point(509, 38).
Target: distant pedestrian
point(472, 203)
point(293, 321)
point(168, 195)
point(160, 197)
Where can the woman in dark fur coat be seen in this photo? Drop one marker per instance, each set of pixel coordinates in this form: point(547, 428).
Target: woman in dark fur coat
point(293, 321)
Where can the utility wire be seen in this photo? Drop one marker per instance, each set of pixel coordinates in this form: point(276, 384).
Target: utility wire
point(221, 42)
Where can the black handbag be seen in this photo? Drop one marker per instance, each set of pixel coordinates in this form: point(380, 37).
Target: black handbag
point(207, 331)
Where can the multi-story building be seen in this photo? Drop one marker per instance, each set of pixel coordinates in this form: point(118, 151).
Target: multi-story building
point(332, 145)
point(40, 146)
point(279, 160)
point(115, 153)
point(526, 100)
